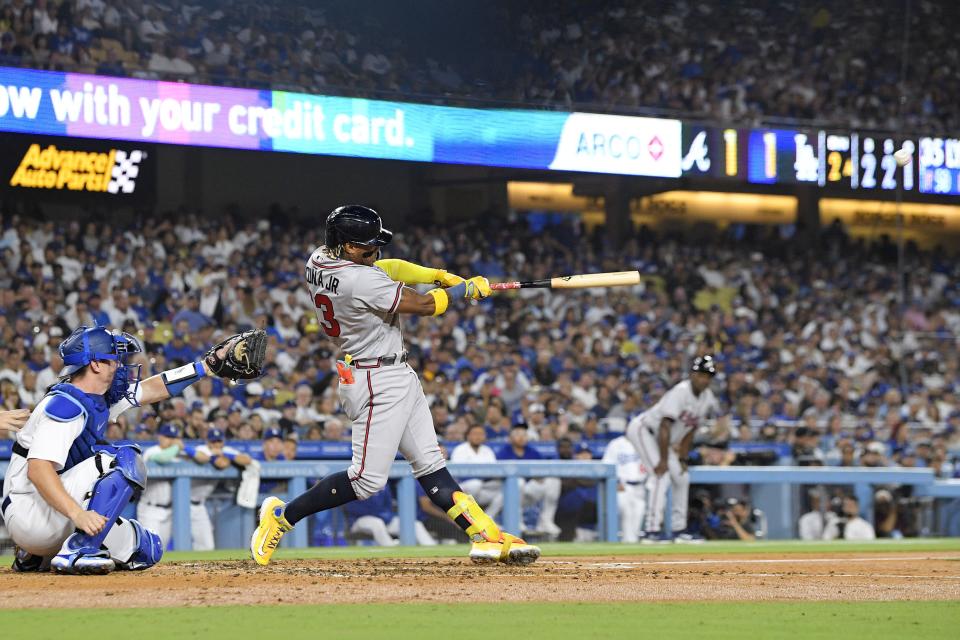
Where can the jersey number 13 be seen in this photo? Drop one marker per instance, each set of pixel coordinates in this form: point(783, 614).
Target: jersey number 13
point(330, 325)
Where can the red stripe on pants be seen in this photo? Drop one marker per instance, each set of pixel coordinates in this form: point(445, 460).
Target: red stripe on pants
point(366, 435)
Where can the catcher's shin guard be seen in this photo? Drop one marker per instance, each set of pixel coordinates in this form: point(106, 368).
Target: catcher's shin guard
point(148, 550)
point(489, 543)
point(83, 553)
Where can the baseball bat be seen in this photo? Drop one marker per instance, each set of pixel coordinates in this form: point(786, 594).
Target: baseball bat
point(581, 281)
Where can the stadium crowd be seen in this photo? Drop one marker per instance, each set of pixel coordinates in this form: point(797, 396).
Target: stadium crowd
point(738, 63)
point(814, 355)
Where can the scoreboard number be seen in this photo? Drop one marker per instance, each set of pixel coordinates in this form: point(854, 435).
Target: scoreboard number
point(730, 167)
point(868, 162)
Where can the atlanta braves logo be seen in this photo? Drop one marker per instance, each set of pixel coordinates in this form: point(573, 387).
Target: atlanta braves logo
point(689, 420)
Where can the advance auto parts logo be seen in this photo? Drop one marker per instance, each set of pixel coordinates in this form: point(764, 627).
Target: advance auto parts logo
point(114, 171)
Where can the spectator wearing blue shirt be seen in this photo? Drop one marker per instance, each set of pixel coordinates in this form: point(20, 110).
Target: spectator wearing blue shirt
point(542, 491)
point(177, 351)
point(577, 507)
point(100, 317)
point(192, 315)
point(497, 421)
point(272, 451)
point(518, 445)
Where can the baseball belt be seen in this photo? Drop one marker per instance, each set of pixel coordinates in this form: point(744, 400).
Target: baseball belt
point(382, 361)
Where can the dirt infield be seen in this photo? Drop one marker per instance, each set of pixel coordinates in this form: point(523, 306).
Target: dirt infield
point(756, 577)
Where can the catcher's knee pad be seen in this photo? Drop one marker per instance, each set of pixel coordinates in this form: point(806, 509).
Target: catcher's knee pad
point(146, 553)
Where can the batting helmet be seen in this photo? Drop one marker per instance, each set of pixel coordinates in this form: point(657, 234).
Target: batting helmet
point(357, 224)
point(704, 364)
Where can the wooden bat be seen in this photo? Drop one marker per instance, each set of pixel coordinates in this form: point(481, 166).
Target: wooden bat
point(581, 281)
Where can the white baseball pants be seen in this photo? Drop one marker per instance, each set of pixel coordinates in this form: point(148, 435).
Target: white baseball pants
point(389, 413)
point(675, 478)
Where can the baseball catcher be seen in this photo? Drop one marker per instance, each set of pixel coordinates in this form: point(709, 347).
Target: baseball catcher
point(66, 486)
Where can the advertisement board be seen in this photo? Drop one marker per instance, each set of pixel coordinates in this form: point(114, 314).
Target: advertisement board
point(147, 111)
point(55, 167)
point(77, 105)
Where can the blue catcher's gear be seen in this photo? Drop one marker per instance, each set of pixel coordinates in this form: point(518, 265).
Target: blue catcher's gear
point(66, 404)
point(126, 474)
point(148, 551)
point(89, 344)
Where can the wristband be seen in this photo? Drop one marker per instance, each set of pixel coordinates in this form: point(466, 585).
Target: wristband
point(440, 300)
point(457, 291)
point(229, 456)
point(176, 380)
point(190, 451)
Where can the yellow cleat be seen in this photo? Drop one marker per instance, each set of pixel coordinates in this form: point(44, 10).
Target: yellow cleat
point(509, 549)
point(271, 528)
point(489, 543)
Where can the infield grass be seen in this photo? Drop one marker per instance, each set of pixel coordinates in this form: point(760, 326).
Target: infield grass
point(526, 621)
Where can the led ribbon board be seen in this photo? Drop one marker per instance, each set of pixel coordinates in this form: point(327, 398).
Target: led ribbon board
point(88, 106)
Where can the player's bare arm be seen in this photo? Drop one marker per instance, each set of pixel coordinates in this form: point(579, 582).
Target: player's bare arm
point(663, 443)
point(415, 303)
point(14, 419)
point(223, 461)
point(43, 475)
point(683, 449)
point(429, 507)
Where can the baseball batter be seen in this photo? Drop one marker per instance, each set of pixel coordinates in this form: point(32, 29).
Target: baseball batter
point(65, 486)
point(662, 436)
point(359, 300)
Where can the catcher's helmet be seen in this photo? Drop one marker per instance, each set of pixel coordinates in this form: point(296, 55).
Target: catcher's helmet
point(704, 364)
point(87, 344)
point(357, 224)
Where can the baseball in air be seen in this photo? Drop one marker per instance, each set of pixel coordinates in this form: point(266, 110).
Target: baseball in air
point(902, 157)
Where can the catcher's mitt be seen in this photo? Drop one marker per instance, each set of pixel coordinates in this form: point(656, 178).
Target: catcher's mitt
point(239, 357)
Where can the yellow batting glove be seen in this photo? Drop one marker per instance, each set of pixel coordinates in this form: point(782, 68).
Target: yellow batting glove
point(478, 288)
point(446, 279)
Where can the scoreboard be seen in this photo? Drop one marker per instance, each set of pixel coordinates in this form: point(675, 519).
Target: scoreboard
point(830, 159)
point(940, 166)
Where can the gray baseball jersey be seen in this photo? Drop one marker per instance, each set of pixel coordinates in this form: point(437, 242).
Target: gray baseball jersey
point(680, 405)
point(356, 305)
point(357, 309)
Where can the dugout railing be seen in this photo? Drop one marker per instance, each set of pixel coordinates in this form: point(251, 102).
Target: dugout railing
point(774, 490)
